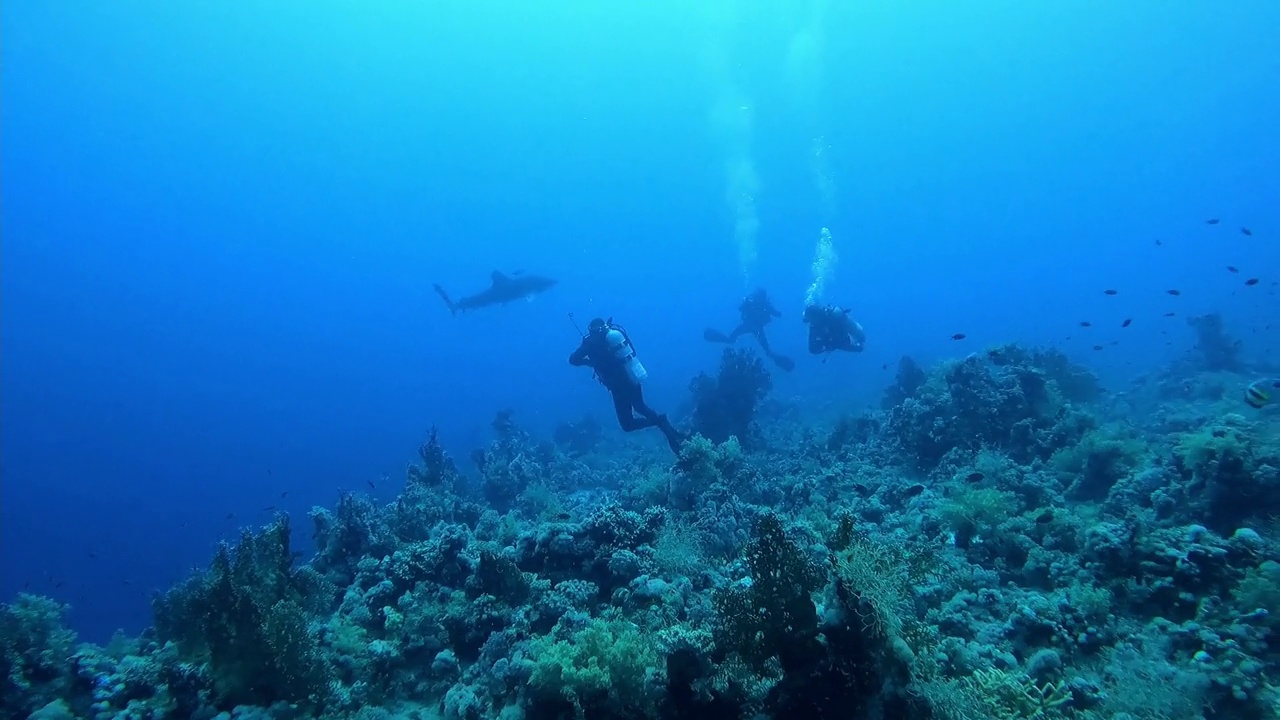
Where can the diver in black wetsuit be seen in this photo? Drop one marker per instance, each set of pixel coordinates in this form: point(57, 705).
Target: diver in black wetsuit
point(831, 328)
point(607, 350)
point(756, 311)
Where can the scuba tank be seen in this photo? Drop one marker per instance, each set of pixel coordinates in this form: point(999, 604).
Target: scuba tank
point(622, 349)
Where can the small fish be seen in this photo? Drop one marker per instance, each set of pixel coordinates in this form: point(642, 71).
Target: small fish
point(914, 490)
point(1158, 243)
point(1256, 395)
point(1085, 323)
point(959, 336)
point(93, 556)
point(1170, 314)
point(1174, 292)
point(975, 477)
point(1108, 292)
point(1246, 231)
point(231, 516)
point(1232, 269)
point(371, 485)
point(1211, 221)
point(1044, 517)
point(1127, 322)
point(1251, 282)
point(862, 489)
point(284, 494)
point(884, 366)
point(1097, 347)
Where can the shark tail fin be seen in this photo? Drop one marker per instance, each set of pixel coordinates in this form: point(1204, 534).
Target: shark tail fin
point(453, 309)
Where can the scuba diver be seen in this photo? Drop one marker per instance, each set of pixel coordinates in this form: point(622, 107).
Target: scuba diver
point(756, 311)
point(831, 329)
point(607, 349)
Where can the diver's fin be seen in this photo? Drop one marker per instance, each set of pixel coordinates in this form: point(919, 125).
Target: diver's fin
point(715, 336)
point(783, 362)
point(674, 437)
point(453, 309)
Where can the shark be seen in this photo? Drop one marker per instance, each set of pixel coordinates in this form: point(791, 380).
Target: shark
point(502, 289)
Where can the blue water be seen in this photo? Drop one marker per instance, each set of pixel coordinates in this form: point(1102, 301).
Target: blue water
point(221, 223)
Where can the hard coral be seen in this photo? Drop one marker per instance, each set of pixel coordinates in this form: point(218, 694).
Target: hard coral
point(1218, 351)
point(1231, 469)
point(726, 405)
point(773, 616)
point(1008, 400)
point(245, 617)
point(909, 379)
point(35, 648)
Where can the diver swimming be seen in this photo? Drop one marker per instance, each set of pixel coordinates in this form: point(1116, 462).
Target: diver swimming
point(606, 349)
point(831, 329)
point(755, 312)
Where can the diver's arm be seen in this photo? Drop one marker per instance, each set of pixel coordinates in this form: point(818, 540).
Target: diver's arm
point(579, 356)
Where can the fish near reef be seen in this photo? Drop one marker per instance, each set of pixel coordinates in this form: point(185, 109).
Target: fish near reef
point(1256, 395)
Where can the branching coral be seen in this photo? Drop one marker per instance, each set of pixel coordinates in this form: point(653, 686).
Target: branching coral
point(773, 616)
point(726, 405)
point(1218, 351)
point(35, 648)
point(909, 379)
point(245, 618)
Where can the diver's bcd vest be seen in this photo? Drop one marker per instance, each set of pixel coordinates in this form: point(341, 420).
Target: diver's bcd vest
point(622, 349)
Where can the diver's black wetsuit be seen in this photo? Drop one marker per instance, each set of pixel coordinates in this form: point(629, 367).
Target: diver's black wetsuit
point(756, 311)
point(628, 397)
point(831, 328)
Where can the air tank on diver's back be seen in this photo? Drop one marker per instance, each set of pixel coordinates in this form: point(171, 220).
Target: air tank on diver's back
point(625, 352)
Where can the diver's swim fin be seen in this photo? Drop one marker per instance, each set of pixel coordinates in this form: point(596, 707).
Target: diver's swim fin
point(674, 439)
point(715, 336)
point(783, 362)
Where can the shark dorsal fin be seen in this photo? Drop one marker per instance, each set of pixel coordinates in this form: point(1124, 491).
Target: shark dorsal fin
point(498, 277)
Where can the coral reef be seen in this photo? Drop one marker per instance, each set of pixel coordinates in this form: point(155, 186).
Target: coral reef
point(1001, 539)
point(725, 406)
point(1217, 349)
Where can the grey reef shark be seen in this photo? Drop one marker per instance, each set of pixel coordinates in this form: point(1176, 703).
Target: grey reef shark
point(502, 289)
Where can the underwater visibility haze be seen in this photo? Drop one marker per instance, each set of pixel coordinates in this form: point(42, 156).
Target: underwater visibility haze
point(792, 358)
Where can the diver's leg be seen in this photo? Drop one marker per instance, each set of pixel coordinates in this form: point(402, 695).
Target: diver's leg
point(738, 332)
point(658, 420)
point(626, 398)
point(651, 417)
point(764, 341)
point(622, 406)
